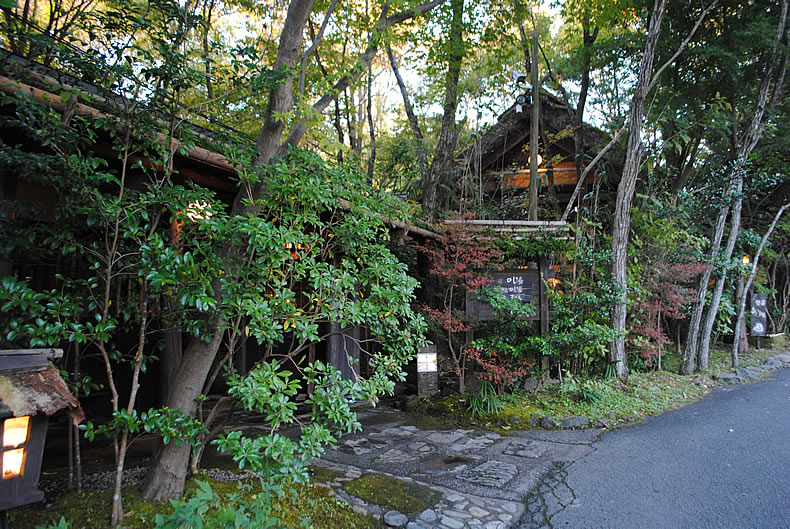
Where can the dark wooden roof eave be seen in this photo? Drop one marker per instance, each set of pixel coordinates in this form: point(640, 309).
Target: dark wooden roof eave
point(12, 87)
point(30, 384)
point(196, 154)
point(512, 128)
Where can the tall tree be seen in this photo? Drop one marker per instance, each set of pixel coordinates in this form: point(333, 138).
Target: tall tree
point(444, 155)
point(422, 157)
point(635, 151)
point(742, 302)
point(698, 338)
point(621, 222)
point(171, 462)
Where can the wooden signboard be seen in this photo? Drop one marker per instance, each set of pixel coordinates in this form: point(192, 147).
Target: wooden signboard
point(524, 285)
point(759, 320)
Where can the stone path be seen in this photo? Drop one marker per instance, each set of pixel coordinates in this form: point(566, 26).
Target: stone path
point(483, 477)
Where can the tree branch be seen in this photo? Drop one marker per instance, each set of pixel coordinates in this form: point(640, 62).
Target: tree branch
point(681, 47)
point(317, 38)
point(589, 167)
point(649, 86)
point(385, 22)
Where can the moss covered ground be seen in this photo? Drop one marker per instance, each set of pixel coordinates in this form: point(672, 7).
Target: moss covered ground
point(610, 399)
point(91, 509)
point(393, 493)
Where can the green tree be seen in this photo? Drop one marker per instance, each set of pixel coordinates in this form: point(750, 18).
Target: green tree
point(232, 267)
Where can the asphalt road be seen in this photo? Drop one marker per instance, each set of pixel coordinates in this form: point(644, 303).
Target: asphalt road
point(721, 463)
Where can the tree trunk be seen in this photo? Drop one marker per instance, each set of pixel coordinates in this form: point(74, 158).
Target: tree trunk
point(172, 460)
point(73, 427)
point(422, 158)
point(534, 129)
point(588, 39)
point(746, 145)
point(689, 357)
point(448, 137)
point(351, 121)
point(718, 290)
point(740, 342)
point(116, 515)
point(170, 465)
point(371, 127)
point(625, 192)
point(169, 362)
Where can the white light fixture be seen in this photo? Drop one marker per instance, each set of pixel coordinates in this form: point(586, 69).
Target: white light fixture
point(426, 363)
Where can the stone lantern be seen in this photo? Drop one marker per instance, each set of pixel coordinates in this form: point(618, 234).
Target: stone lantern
point(31, 390)
point(427, 372)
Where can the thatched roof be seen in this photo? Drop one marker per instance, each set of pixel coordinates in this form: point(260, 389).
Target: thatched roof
point(30, 384)
point(512, 130)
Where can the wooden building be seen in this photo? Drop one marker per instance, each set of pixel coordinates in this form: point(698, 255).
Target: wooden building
point(500, 157)
point(193, 164)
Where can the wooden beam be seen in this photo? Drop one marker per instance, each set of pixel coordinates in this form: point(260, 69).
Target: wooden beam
point(54, 101)
point(536, 223)
point(505, 229)
point(51, 353)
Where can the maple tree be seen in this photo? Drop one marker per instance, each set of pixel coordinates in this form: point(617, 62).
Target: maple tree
point(459, 262)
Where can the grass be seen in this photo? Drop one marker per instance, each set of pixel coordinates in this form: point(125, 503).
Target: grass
point(403, 496)
point(720, 359)
point(643, 394)
point(91, 509)
point(648, 393)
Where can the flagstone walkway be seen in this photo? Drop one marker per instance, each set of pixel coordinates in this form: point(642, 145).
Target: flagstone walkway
point(482, 477)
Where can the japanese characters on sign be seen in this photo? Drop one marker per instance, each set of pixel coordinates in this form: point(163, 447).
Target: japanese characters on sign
point(517, 284)
point(759, 325)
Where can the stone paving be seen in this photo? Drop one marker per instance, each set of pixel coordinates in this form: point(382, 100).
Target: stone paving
point(485, 480)
point(483, 477)
point(546, 500)
point(454, 510)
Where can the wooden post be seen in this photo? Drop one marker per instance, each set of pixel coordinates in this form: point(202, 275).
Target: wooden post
point(534, 132)
point(311, 361)
point(543, 269)
point(543, 304)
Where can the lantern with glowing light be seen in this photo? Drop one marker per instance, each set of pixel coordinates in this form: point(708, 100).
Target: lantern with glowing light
point(30, 390)
point(427, 372)
point(22, 449)
point(294, 249)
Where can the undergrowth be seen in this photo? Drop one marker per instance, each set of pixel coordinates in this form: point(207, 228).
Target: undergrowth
point(609, 399)
point(91, 509)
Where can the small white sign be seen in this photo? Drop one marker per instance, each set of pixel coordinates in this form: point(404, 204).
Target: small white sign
point(426, 363)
